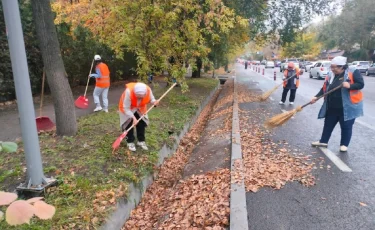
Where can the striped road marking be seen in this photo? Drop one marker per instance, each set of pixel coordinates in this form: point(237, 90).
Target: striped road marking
point(365, 124)
point(339, 163)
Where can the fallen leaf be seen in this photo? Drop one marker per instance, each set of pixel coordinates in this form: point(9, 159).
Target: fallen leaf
point(43, 210)
point(362, 204)
point(19, 212)
point(6, 198)
point(35, 199)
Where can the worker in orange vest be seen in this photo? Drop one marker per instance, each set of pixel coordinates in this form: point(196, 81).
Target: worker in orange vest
point(292, 84)
point(341, 106)
point(132, 105)
point(102, 84)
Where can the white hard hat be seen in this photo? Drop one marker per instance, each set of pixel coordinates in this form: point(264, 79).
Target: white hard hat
point(339, 60)
point(97, 57)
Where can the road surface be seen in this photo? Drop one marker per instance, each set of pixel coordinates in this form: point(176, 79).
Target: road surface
point(334, 202)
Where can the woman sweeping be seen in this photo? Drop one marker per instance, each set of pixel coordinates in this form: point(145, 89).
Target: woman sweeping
point(132, 105)
point(342, 106)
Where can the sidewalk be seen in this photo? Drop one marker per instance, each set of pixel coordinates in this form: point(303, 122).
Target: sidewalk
point(9, 117)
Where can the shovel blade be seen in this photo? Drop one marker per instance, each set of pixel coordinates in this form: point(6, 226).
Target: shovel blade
point(117, 143)
point(44, 124)
point(82, 102)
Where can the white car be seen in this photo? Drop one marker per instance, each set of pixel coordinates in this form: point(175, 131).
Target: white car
point(362, 66)
point(309, 66)
point(320, 69)
point(270, 64)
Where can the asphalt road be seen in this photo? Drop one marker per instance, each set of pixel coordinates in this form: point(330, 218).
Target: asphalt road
point(334, 202)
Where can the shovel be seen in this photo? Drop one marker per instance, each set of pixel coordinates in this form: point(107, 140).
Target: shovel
point(117, 143)
point(43, 123)
point(82, 102)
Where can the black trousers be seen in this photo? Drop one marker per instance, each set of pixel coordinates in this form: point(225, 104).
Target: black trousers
point(141, 129)
point(292, 95)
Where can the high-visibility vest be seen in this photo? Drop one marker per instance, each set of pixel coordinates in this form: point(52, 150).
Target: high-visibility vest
point(356, 96)
point(104, 80)
point(142, 107)
point(296, 78)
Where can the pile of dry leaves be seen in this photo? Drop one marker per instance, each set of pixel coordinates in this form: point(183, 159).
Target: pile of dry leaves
point(244, 95)
point(267, 163)
point(198, 202)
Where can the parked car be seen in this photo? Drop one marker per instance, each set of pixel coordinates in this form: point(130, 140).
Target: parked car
point(263, 62)
point(371, 70)
point(308, 66)
point(269, 64)
point(320, 69)
point(362, 66)
point(277, 63)
point(256, 62)
point(284, 63)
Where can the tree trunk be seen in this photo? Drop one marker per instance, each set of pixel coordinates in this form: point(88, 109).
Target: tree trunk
point(66, 123)
point(197, 72)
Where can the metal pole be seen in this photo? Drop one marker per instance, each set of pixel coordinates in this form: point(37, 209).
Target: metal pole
point(23, 92)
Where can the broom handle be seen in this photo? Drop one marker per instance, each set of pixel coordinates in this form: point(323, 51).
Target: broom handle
point(151, 107)
point(88, 78)
point(334, 89)
point(287, 79)
point(42, 94)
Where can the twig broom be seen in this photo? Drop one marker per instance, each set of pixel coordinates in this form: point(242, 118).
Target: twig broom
point(267, 94)
point(282, 118)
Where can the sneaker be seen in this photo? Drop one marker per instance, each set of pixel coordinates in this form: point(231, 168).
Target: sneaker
point(281, 103)
point(291, 103)
point(318, 144)
point(105, 110)
point(343, 148)
point(98, 108)
point(143, 145)
point(131, 147)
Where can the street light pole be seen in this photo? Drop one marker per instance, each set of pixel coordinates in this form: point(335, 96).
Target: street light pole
point(36, 180)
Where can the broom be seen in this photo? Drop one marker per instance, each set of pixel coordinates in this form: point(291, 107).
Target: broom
point(282, 118)
point(267, 94)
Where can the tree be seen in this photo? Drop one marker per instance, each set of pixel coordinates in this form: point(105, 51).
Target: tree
point(63, 101)
point(164, 35)
point(283, 18)
point(305, 46)
point(352, 30)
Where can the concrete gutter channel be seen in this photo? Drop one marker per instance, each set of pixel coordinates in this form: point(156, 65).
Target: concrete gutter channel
point(136, 191)
point(238, 210)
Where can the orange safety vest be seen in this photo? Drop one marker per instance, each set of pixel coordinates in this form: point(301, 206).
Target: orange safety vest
point(356, 96)
point(142, 107)
point(296, 78)
point(104, 80)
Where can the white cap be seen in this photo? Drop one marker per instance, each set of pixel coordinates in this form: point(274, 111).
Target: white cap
point(140, 88)
point(339, 60)
point(97, 57)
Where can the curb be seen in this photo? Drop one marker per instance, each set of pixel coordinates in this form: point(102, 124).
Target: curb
point(238, 211)
point(136, 191)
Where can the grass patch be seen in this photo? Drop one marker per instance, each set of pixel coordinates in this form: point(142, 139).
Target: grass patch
point(90, 177)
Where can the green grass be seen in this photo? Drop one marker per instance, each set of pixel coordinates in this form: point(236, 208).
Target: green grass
point(85, 166)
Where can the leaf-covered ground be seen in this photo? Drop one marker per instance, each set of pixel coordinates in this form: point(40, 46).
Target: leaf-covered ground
point(266, 162)
point(91, 177)
point(198, 201)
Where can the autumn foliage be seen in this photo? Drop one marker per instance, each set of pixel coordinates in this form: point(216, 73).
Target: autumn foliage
point(160, 31)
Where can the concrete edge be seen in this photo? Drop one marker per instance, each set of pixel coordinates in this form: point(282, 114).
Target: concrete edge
point(136, 191)
point(238, 210)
